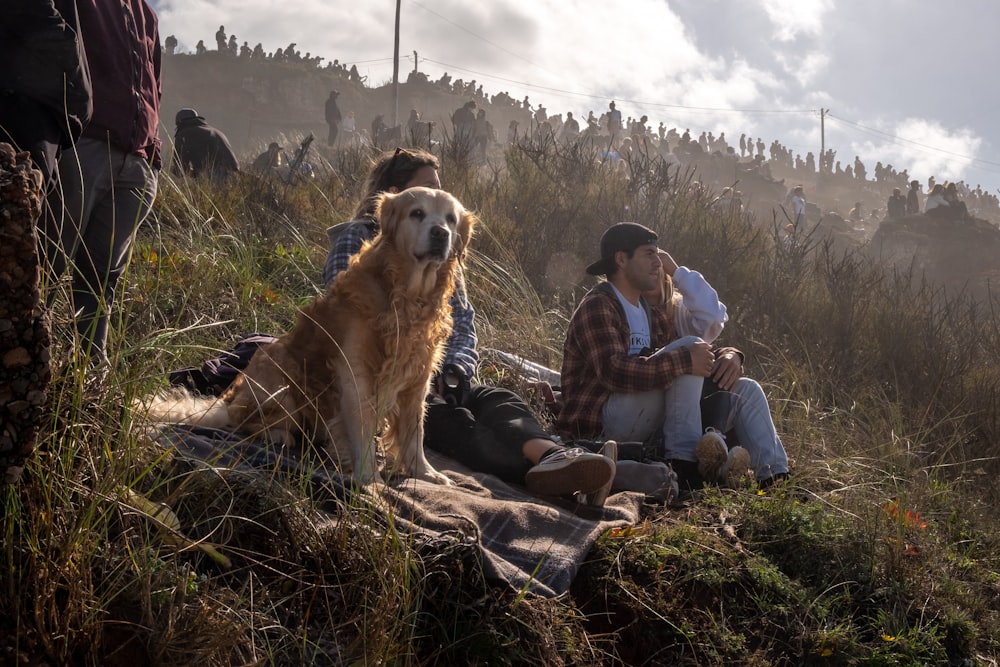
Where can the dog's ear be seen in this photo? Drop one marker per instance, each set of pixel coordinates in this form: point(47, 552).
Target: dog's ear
point(385, 212)
point(466, 222)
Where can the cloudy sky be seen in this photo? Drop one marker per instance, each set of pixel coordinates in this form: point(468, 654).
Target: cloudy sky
point(907, 82)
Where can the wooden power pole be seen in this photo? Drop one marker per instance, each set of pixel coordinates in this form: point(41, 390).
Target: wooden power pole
point(395, 72)
point(822, 138)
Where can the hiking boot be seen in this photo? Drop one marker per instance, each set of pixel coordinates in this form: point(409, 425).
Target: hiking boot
point(712, 454)
point(569, 471)
point(735, 468)
point(598, 497)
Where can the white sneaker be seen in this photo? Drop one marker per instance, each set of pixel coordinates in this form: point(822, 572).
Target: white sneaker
point(600, 496)
point(736, 467)
point(712, 453)
point(570, 471)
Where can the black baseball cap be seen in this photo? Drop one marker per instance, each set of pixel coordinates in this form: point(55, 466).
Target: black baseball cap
point(621, 236)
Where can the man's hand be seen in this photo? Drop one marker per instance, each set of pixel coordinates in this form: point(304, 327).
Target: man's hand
point(702, 359)
point(727, 369)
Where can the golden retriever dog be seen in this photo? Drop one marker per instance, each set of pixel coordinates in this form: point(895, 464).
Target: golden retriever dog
point(359, 359)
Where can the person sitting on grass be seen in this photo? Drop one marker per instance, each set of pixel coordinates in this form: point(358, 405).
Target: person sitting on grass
point(488, 429)
point(632, 367)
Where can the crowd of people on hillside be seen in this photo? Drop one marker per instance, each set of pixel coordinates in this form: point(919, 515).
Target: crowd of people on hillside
point(230, 47)
point(623, 135)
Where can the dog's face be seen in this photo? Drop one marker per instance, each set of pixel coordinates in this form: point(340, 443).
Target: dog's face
point(429, 224)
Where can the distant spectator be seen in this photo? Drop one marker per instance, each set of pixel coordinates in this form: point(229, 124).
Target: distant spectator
point(333, 117)
point(936, 205)
point(200, 47)
point(220, 39)
point(571, 128)
point(350, 128)
point(512, 132)
point(614, 120)
point(484, 135)
point(464, 122)
point(798, 202)
point(378, 127)
point(956, 205)
point(896, 204)
point(269, 159)
point(200, 149)
point(913, 198)
point(856, 214)
point(170, 45)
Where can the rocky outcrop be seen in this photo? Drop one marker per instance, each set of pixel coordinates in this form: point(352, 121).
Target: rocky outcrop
point(24, 331)
point(958, 254)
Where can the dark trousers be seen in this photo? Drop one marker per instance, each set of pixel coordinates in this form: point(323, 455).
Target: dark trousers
point(485, 433)
point(27, 126)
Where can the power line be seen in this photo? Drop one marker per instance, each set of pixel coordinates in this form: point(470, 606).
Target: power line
point(478, 36)
point(918, 144)
point(639, 103)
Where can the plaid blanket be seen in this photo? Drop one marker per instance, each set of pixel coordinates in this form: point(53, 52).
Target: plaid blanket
point(524, 542)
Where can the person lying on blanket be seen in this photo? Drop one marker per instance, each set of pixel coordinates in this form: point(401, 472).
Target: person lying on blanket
point(487, 429)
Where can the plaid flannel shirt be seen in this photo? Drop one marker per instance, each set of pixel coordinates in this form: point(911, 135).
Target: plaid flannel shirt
point(596, 362)
point(461, 346)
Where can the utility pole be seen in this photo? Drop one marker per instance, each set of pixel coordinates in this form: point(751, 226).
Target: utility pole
point(395, 72)
point(822, 137)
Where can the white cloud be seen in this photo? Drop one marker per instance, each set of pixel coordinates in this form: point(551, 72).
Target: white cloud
point(795, 18)
point(923, 147)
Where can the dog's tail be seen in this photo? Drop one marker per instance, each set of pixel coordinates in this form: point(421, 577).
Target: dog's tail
point(178, 406)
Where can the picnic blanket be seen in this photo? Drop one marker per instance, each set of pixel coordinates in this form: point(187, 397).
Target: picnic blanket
point(523, 541)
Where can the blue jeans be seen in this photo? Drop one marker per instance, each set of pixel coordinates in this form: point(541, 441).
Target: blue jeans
point(677, 410)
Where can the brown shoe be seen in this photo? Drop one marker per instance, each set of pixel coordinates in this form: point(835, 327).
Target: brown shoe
point(569, 471)
point(736, 467)
point(712, 454)
point(600, 496)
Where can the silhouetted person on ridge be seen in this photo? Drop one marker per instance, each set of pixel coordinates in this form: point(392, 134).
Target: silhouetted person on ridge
point(896, 204)
point(913, 198)
point(333, 117)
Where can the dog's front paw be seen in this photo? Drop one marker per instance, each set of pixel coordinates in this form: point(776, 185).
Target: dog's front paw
point(436, 477)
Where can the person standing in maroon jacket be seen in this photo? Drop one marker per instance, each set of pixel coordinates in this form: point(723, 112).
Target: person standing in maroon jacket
point(107, 181)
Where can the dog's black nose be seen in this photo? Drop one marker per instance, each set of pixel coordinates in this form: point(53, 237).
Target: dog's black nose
point(440, 241)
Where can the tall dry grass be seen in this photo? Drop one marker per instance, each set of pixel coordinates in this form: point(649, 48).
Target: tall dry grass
point(880, 552)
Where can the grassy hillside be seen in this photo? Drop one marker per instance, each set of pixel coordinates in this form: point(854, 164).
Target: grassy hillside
point(880, 551)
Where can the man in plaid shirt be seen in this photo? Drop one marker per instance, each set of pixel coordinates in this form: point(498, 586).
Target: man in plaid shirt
point(636, 357)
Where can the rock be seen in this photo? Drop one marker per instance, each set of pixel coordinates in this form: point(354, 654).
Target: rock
point(24, 331)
